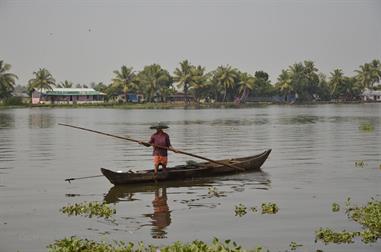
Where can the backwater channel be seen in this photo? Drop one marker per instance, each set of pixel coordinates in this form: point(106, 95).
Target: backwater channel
point(312, 165)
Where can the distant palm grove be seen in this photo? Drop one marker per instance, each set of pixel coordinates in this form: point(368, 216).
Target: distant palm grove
point(302, 81)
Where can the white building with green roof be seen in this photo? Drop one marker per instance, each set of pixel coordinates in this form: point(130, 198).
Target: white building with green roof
point(67, 96)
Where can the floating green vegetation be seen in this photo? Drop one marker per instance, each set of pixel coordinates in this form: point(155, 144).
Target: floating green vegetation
point(293, 245)
point(254, 209)
point(89, 209)
point(75, 244)
point(240, 210)
point(369, 216)
point(335, 207)
point(213, 192)
point(360, 163)
point(269, 208)
point(329, 236)
point(366, 126)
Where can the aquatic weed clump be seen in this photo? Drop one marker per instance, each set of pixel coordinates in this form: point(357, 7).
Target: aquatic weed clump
point(75, 244)
point(293, 245)
point(366, 126)
point(269, 208)
point(89, 209)
point(327, 235)
point(335, 207)
point(360, 164)
point(369, 216)
point(240, 210)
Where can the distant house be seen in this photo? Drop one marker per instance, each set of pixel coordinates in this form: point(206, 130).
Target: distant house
point(67, 96)
point(180, 97)
point(24, 97)
point(131, 97)
point(371, 95)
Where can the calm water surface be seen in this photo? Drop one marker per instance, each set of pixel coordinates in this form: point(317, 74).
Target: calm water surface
point(312, 166)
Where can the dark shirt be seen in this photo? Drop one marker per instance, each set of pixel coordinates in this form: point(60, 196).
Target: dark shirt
point(162, 139)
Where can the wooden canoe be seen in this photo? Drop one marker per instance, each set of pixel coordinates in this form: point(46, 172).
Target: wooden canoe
point(181, 172)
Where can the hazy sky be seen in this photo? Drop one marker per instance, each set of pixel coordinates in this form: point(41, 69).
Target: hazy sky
point(84, 41)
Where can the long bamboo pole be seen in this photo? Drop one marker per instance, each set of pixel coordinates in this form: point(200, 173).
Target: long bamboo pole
point(154, 145)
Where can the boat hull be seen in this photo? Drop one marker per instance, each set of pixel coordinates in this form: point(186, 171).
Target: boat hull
point(181, 172)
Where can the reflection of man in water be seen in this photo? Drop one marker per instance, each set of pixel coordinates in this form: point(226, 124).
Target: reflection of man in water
point(161, 217)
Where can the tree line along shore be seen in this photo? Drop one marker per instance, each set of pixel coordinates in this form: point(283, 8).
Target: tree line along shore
point(301, 82)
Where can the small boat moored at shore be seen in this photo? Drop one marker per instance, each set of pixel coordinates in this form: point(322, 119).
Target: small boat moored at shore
point(189, 171)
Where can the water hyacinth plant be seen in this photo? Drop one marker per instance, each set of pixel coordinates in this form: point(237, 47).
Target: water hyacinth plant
point(369, 216)
point(269, 208)
point(254, 209)
point(293, 245)
point(335, 207)
point(360, 163)
point(366, 126)
point(329, 236)
point(89, 209)
point(75, 244)
point(240, 210)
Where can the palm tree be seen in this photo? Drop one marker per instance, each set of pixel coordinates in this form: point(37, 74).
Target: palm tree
point(183, 77)
point(284, 83)
point(124, 79)
point(366, 76)
point(299, 80)
point(376, 71)
point(336, 82)
point(213, 87)
point(43, 80)
point(7, 80)
point(155, 81)
point(246, 83)
point(66, 84)
point(227, 78)
point(198, 82)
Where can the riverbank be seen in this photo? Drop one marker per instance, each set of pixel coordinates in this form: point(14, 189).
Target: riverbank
point(142, 105)
point(217, 105)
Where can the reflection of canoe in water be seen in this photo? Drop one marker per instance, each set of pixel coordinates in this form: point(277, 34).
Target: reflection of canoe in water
point(126, 192)
point(189, 171)
point(257, 180)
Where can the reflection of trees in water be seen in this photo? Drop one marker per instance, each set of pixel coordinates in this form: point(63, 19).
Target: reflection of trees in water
point(41, 120)
point(42, 145)
point(7, 145)
point(7, 120)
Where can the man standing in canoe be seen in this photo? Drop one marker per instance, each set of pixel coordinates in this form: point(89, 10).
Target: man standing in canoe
point(160, 138)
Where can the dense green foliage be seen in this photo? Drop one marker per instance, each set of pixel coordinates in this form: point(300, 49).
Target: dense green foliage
point(301, 81)
point(7, 80)
point(74, 244)
point(89, 209)
point(369, 216)
point(43, 80)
